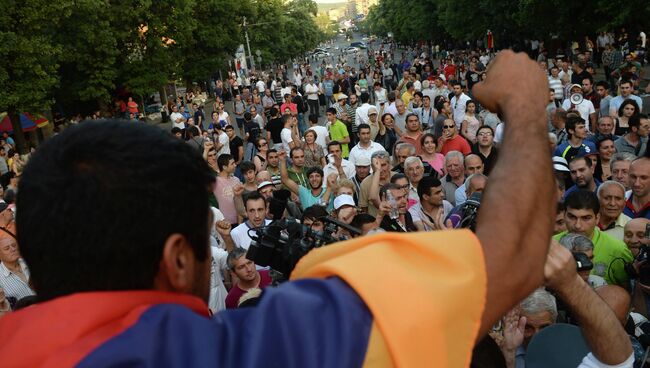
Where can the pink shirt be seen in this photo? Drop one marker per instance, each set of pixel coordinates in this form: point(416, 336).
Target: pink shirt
point(226, 197)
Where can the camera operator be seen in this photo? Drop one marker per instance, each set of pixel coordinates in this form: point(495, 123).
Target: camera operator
point(138, 279)
point(256, 210)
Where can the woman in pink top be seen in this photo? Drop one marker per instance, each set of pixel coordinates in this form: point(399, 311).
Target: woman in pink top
point(470, 124)
point(429, 154)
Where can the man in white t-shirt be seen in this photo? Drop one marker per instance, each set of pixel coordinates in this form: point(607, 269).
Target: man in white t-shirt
point(458, 104)
point(289, 133)
point(222, 141)
point(256, 210)
point(311, 90)
point(178, 121)
point(585, 108)
point(366, 146)
point(361, 114)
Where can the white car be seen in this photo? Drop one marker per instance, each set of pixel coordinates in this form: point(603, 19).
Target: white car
point(351, 50)
point(321, 54)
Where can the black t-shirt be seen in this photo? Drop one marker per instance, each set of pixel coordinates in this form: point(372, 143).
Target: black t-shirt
point(253, 130)
point(472, 78)
point(275, 126)
point(576, 78)
point(234, 144)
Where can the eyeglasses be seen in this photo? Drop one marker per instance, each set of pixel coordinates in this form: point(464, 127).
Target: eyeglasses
point(484, 134)
point(448, 126)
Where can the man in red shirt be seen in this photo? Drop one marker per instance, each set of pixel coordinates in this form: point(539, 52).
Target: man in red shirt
point(288, 104)
point(248, 277)
point(451, 140)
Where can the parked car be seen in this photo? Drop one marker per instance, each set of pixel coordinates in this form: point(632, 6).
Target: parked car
point(351, 50)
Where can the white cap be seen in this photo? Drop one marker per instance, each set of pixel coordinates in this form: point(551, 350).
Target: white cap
point(343, 200)
point(342, 96)
point(560, 164)
point(442, 76)
point(362, 161)
point(263, 184)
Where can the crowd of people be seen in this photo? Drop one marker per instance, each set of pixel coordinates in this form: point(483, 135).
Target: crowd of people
point(405, 147)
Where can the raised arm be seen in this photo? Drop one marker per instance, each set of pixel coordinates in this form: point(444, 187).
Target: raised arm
point(603, 333)
point(284, 174)
point(516, 218)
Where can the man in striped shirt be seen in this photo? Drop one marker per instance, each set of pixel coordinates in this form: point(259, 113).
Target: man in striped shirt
point(14, 274)
point(555, 83)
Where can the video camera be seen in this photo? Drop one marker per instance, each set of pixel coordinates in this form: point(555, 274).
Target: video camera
point(642, 271)
point(470, 211)
point(282, 243)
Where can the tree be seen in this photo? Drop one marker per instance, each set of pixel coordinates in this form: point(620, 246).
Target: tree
point(30, 57)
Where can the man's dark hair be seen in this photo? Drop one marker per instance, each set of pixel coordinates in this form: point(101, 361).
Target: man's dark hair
point(314, 169)
point(397, 177)
point(175, 130)
point(363, 126)
point(635, 120)
point(586, 159)
point(331, 110)
point(418, 93)
point(603, 84)
point(253, 196)
point(272, 150)
point(111, 193)
point(484, 127)
point(582, 199)
point(247, 116)
point(246, 166)
point(223, 160)
point(588, 77)
point(361, 219)
point(274, 111)
point(625, 81)
point(454, 83)
point(365, 97)
point(334, 143)
point(425, 185)
point(571, 121)
point(409, 85)
point(314, 212)
point(388, 186)
point(391, 96)
point(294, 149)
point(313, 118)
point(560, 207)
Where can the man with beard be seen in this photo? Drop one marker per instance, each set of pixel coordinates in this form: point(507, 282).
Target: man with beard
point(247, 276)
point(582, 174)
point(309, 196)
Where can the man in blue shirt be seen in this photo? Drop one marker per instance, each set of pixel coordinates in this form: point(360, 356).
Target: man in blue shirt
point(582, 174)
point(576, 145)
point(627, 89)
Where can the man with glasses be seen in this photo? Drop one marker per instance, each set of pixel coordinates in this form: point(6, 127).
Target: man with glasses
point(485, 149)
point(451, 140)
point(458, 103)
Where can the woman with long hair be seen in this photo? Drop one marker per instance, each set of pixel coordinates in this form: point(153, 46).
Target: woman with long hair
point(606, 150)
point(259, 159)
point(429, 154)
point(387, 136)
point(470, 124)
point(627, 109)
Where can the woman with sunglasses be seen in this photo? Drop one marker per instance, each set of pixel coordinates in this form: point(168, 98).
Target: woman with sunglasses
point(259, 159)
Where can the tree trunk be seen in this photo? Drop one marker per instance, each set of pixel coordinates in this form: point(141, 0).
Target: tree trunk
point(19, 137)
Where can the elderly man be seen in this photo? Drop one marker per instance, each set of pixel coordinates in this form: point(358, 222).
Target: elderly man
point(612, 220)
point(638, 205)
point(474, 183)
point(455, 178)
point(619, 166)
point(473, 165)
point(414, 171)
point(14, 273)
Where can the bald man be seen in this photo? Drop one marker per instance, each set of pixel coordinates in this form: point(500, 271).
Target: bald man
point(634, 234)
point(473, 165)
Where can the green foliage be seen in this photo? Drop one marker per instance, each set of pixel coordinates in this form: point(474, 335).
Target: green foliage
point(411, 20)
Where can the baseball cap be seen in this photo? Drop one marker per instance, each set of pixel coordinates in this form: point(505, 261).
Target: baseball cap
point(342, 96)
point(343, 200)
point(263, 184)
point(560, 164)
point(575, 85)
point(442, 77)
point(362, 161)
point(560, 346)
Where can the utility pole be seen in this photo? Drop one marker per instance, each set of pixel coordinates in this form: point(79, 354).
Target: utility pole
point(248, 45)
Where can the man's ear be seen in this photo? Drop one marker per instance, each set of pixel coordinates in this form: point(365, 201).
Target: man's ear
point(176, 271)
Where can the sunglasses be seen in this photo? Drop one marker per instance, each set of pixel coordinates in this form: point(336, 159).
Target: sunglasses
point(448, 126)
